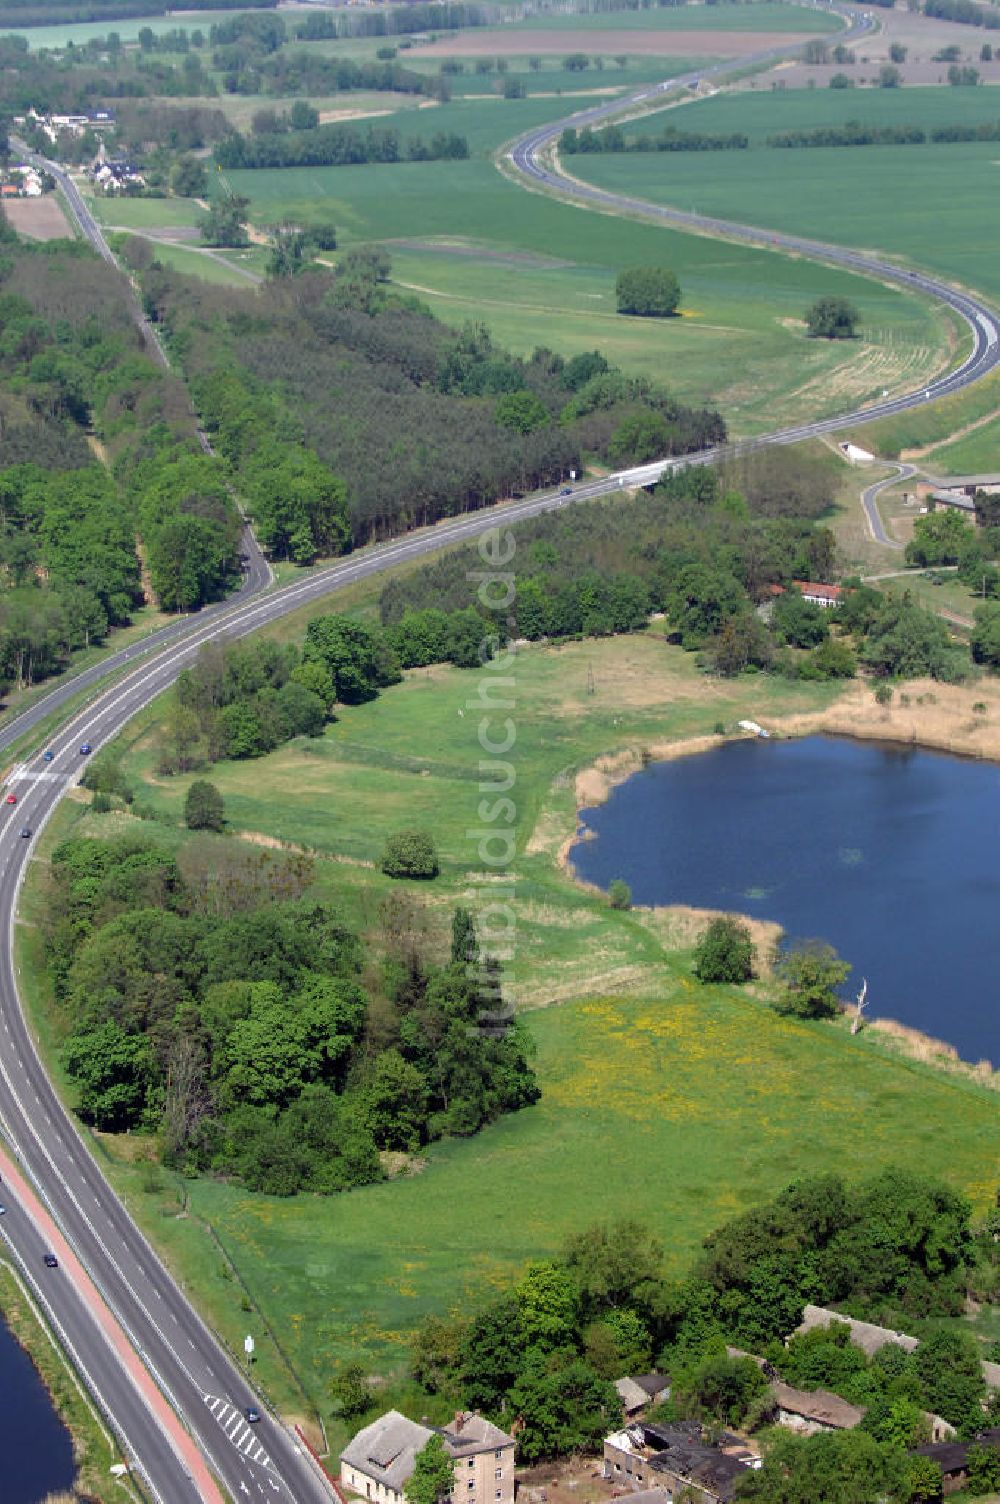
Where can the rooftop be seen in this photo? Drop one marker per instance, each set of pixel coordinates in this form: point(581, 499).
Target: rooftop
point(819, 1405)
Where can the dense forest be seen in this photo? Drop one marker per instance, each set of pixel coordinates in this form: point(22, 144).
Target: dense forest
point(414, 419)
point(77, 385)
point(206, 998)
point(897, 1249)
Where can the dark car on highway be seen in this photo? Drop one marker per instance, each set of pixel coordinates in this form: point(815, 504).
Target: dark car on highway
point(85, 749)
point(51, 1262)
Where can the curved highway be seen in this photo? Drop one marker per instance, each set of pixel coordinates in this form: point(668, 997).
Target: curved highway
point(534, 161)
point(201, 1381)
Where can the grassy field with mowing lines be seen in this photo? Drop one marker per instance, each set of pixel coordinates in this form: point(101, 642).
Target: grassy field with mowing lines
point(933, 204)
point(740, 343)
point(716, 1099)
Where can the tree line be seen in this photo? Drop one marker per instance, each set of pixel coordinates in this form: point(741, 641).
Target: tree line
point(965, 12)
point(614, 139)
point(205, 998)
point(337, 146)
point(856, 134)
point(852, 133)
point(898, 1249)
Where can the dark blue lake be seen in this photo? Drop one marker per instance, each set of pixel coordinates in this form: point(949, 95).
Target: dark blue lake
point(889, 853)
point(35, 1446)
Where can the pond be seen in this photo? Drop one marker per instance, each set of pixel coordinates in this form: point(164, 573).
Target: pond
point(889, 853)
point(35, 1446)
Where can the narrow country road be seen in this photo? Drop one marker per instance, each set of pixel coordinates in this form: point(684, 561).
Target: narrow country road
point(194, 1378)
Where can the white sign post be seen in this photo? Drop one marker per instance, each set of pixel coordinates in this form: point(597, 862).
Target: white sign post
point(248, 1346)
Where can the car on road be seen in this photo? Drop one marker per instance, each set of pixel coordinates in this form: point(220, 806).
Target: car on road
point(252, 1414)
point(11, 799)
point(85, 749)
point(51, 1262)
point(48, 754)
point(566, 491)
point(25, 832)
point(3, 1210)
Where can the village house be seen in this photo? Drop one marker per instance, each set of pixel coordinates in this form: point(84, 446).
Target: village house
point(651, 1458)
point(377, 1463)
point(638, 1391)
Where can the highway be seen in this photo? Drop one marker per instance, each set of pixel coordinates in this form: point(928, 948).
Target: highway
point(201, 1381)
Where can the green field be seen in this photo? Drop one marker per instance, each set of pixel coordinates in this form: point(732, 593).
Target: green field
point(764, 16)
point(709, 1095)
point(934, 205)
point(540, 272)
point(976, 453)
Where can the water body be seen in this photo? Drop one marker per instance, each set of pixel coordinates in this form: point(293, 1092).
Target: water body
point(889, 853)
point(35, 1446)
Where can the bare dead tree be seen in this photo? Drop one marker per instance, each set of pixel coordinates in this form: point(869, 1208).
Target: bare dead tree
point(860, 1006)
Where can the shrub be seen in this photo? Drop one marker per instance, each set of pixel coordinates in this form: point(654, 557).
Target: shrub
point(725, 952)
point(101, 803)
point(619, 894)
point(410, 853)
point(203, 807)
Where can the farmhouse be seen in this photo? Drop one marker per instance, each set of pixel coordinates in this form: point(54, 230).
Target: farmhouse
point(378, 1461)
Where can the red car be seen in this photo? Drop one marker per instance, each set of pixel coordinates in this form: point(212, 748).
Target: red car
point(11, 799)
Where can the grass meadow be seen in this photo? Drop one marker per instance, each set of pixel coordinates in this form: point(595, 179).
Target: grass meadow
point(932, 205)
point(477, 246)
point(662, 1099)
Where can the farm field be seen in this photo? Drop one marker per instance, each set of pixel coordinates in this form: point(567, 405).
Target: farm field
point(479, 247)
point(895, 199)
point(717, 1097)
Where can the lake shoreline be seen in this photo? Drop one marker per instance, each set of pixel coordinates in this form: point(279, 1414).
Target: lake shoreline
point(961, 721)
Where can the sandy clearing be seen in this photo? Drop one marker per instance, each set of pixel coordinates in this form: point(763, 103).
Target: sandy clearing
point(607, 43)
point(38, 218)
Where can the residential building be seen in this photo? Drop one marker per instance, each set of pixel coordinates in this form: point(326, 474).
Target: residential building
point(378, 1461)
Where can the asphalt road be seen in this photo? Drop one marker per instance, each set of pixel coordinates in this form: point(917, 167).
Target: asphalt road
point(870, 504)
point(201, 1380)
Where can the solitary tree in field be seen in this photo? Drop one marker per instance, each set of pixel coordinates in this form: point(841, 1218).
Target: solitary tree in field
point(832, 318)
point(810, 972)
point(650, 291)
point(203, 807)
point(725, 952)
point(410, 853)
